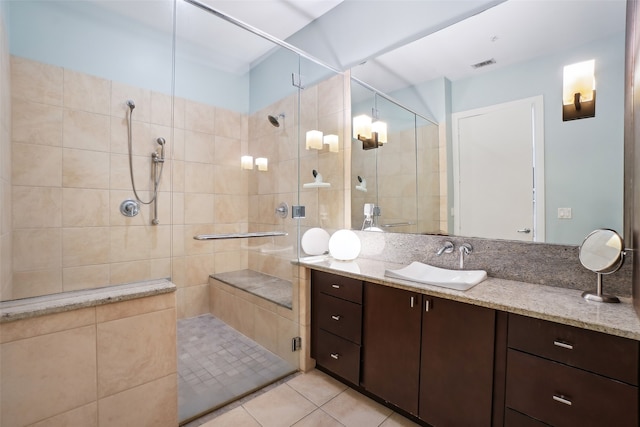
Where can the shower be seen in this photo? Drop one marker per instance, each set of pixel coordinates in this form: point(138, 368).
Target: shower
point(275, 120)
point(157, 160)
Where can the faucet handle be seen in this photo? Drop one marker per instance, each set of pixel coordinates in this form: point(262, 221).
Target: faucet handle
point(446, 248)
point(466, 248)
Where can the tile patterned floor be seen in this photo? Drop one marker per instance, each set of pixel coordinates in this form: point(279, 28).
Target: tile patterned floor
point(306, 400)
point(217, 364)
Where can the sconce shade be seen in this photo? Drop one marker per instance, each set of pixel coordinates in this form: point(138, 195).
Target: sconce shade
point(579, 91)
point(246, 162)
point(380, 128)
point(362, 127)
point(262, 163)
point(314, 140)
point(333, 142)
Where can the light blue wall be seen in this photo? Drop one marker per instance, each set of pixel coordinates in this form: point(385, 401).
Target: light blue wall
point(83, 37)
point(583, 158)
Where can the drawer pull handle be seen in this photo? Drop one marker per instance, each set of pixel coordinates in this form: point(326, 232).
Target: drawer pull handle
point(562, 399)
point(335, 356)
point(335, 317)
point(335, 286)
point(427, 305)
point(563, 345)
point(413, 301)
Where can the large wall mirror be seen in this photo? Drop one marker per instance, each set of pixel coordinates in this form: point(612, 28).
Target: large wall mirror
point(507, 59)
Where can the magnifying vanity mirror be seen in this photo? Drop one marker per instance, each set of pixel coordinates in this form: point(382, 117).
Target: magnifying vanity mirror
point(602, 252)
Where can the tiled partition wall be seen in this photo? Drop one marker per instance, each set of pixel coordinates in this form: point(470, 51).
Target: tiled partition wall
point(5, 167)
point(110, 365)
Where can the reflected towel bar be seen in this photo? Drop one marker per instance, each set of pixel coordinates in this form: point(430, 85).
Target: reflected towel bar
point(398, 224)
point(240, 235)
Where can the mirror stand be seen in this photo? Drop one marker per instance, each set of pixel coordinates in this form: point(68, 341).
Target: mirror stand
point(598, 296)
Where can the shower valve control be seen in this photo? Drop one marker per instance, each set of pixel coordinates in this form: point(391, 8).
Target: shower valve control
point(129, 208)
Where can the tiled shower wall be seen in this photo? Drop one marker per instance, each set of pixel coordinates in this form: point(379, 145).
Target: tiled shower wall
point(5, 167)
point(70, 174)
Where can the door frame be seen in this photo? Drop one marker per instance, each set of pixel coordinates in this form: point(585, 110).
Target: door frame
point(538, 194)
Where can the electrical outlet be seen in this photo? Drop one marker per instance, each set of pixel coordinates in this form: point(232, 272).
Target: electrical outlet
point(564, 213)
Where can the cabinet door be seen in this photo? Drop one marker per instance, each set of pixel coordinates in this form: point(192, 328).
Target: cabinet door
point(456, 378)
point(391, 345)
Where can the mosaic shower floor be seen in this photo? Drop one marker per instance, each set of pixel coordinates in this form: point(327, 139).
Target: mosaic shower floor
point(217, 364)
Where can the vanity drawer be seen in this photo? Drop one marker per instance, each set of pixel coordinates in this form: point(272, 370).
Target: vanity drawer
point(516, 419)
point(340, 317)
point(560, 395)
point(338, 355)
point(337, 286)
point(608, 355)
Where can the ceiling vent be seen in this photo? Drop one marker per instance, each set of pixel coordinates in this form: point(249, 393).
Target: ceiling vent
point(484, 63)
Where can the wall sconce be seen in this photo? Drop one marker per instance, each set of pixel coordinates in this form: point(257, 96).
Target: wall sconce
point(579, 91)
point(262, 163)
point(333, 142)
point(246, 162)
point(372, 135)
point(314, 140)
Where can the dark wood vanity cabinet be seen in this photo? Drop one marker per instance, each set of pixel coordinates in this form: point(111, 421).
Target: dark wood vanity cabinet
point(336, 324)
point(456, 372)
point(561, 375)
point(391, 345)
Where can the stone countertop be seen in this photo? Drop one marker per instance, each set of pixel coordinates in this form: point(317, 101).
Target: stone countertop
point(67, 301)
point(555, 304)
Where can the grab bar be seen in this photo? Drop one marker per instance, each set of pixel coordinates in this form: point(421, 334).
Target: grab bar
point(398, 224)
point(240, 235)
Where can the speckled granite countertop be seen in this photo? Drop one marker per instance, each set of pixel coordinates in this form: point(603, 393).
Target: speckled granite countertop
point(560, 305)
point(67, 301)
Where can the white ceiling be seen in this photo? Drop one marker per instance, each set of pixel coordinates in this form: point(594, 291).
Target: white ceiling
point(511, 32)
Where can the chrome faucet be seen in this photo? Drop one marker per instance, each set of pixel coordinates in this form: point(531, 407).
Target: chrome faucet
point(465, 249)
point(447, 248)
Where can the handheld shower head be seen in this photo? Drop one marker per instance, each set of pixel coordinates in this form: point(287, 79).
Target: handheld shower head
point(161, 141)
point(131, 104)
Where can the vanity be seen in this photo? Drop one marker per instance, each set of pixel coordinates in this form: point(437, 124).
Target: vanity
point(504, 353)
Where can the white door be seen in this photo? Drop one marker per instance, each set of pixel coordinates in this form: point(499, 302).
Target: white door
point(498, 171)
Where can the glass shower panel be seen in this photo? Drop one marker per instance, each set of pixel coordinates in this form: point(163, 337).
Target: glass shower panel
point(74, 66)
point(322, 109)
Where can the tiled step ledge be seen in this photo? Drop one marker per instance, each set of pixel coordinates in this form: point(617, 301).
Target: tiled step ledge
point(67, 301)
point(270, 288)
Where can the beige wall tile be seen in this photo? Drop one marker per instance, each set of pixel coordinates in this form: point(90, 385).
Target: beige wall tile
point(159, 237)
point(231, 261)
point(231, 208)
point(36, 123)
point(177, 149)
point(199, 177)
point(85, 207)
point(135, 350)
point(88, 131)
point(230, 180)
point(228, 151)
point(87, 93)
point(37, 207)
point(85, 277)
point(228, 123)
point(198, 147)
point(266, 329)
point(135, 307)
point(35, 249)
point(198, 268)
point(160, 268)
point(85, 416)
point(161, 108)
point(38, 282)
point(48, 324)
point(129, 272)
point(179, 112)
point(38, 369)
point(151, 404)
point(198, 209)
point(36, 165)
point(36, 81)
point(199, 117)
point(197, 247)
point(128, 244)
point(121, 93)
point(195, 301)
point(178, 271)
point(85, 169)
point(85, 245)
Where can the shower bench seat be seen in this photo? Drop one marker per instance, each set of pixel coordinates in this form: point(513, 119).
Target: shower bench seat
point(271, 288)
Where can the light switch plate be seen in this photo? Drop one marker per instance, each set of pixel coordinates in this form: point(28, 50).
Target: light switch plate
point(564, 213)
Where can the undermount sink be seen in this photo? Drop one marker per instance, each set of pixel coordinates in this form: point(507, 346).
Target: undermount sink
point(460, 280)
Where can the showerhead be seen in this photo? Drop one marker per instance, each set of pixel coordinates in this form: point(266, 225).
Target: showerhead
point(161, 141)
point(131, 104)
point(275, 120)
